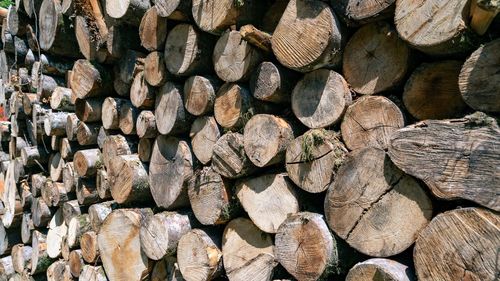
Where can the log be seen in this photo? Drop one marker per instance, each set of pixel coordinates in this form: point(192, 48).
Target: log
point(90, 79)
point(174, 10)
point(115, 145)
point(370, 121)
point(313, 159)
point(415, 25)
point(160, 233)
point(320, 99)
point(40, 212)
point(272, 83)
point(90, 250)
point(103, 134)
point(199, 94)
point(370, 269)
point(188, 51)
point(87, 162)
point(67, 7)
point(229, 158)
point(93, 273)
point(146, 125)
point(102, 184)
point(76, 228)
point(308, 36)
point(53, 65)
point(37, 182)
point(21, 257)
point(204, 134)
point(142, 95)
point(120, 246)
point(68, 149)
point(76, 262)
point(88, 39)
point(8, 239)
point(72, 123)
point(34, 155)
point(6, 267)
point(120, 39)
point(431, 84)
point(153, 30)
point(369, 187)
point(128, 117)
point(171, 117)
point(375, 59)
point(55, 124)
point(86, 191)
point(266, 138)
point(56, 270)
point(61, 99)
point(54, 194)
point(16, 21)
point(129, 12)
point(89, 110)
point(206, 264)
point(32, 7)
point(26, 228)
point(56, 167)
point(57, 230)
point(247, 251)
point(40, 261)
point(234, 58)
point(15, 46)
point(478, 80)
point(355, 14)
point(278, 191)
point(233, 106)
point(144, 149)
point(454, 238)
point(110, 116)
point(211, 197)
point(128, 179)
point(70, 209)
point(28, 100)
point(70, 177)
point(86, 133)
point(155, 70)
point(171, 166)
point(461, 171)
point(482, 13)
point(256, 37)
point(166, 269)
point(98, 213)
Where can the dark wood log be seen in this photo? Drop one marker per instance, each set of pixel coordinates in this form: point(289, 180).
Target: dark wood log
point(89, 110)
point(155, 70)
point(204, 134)
point(144, 149)
point(171, 117)
point(166, 269)
point(32, 7)
point(146, 125)
point(129, 12)
point(482, 13)
point(153, 30)
point(86, 133)
point(272, 83)
point(229, 158)
point(233, 106)
point(90, 79)
point(142, 95)
point(16, 21)
point(369, 269)
point(121, 38)
point(128, 179)
point(8, 239)
point(87, 162)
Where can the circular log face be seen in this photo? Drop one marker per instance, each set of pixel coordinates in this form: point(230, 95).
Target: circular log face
point(358, 12)
point(49, 23)
point(380, 269)
point(153, 30)
point(214, 16)
point(374, 206)
point(204, 134)
point(233, 106)
point(461, 244)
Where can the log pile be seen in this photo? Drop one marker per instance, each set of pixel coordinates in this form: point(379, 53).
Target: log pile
point(250, 140)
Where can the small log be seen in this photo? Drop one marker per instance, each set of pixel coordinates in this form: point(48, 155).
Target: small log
point(68, 149)
point(211, 198)
point(142, 95)
point(55, 124)
point(161, 233)
point(103, 134)
point(207, 263)
point(180, 58)
point(87, 162)
point(146, 125)
point(375, 188)
point(57, 230)
point(128, 179)
point(88, 40)
point(56, 165)
point(153, 30)
point(155, 70)
point(115, 145)
point(102, 184)
point(65, 250)
point(55, 143)
point(272, 83)
point(90, 250)
point(313, 159)
point(308, 36)
point(166, 269)
point(370, 269)
point(86, 133)
point(26, 228)
point(56, 270)
point(130, 64)
point(72, 123)
point(40, 212)
point(128, 117)
point(98, 213)
point(76, 228)
point(111, 112)
point(120, 247)
point(371, 121)
point(229, 158)
point(320, 99)
point(172, 163)
point(431, 84)
point(416, 26)
point(21, 257)
point(37, 182)
point(89, 110)
point(204, 134)
point(70, 209)
point(479, 81)
point(171, 117)
point(144, 149)
point(86, 191)
point(179, 10)
point(90, 80)
point(129, 12)
point(233, 106)
point(256, 37)
point(355, 14)
point(93, 273)
point(234, 58)
point(34, 155)
point(199, 94)
point(275, 188)
point(6, 267)
point(40, 261)
point(54, 194)
point(70, 177)
point(76, 263)
point(247, 251)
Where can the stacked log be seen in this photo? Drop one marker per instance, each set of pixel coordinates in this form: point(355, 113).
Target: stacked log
point(249, 140)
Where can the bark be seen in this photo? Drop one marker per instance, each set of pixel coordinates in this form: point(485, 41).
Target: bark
point(131, 63)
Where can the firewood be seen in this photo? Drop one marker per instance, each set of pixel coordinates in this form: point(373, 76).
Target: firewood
point(128, 117)
point(354, 13)
point(56, 167)
point(153, 30)
point(204, 134)
point(199, 94)
point(89, 110)
point(16, 21)
point(206, 264)
point(247, 251)
point(70, 177)
point(21, 257)
point(89, 42)
point(102, 184)
point(70, 209)
point(369, 269)
point(61, 99)
point(161, 233)
point(40, 261)
point(174, 10)
point(93, 273)
point(16, 46)
point(87, 162)
point(28, 100)
point(128, 179)
point(482, 13)
point(423, 150)
point(120, 247)
point(233, 106)
point(98, 213)
point(452, 240)
point(90, 250)
point(89, 79)
point(86, 133)
point(8, 239)
point(129, 12)
point(479, 81)
point(86, 191)
point(115, 145)
point(272, 83)
point(76, 262)
point(6, 267)
point(76, 228)
point(103, 134)
point(211, 197)
point(386, 193)
point(54, 194)
point(415, 24)
point(434, 83)
point(370, 121)
point(144, 149)
point(68, 149)
point(57, 230)
point(34, 155)
point(67, 7)
point(121, 38)
point(308, 36)
point(171, 117)
point(40, 212)
point(72, 123)
point(155, 70)
point(146, 125)
point(172, 163)
point(55, 124)
point(111, 112)
point(166, 269)
point(142, 95)
point(229, 158)
point(37, 182)
point(234, 58)
point(320, 98)
point(56, 270)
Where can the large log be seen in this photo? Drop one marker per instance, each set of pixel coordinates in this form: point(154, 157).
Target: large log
point(370, 188)
point(463, 170)
point(54, 194)
point(128, 179)
point(204, 134)
point(6, 267)
point(370, 270)
point(199, 94)
point(174, 10)
point(272, 83)
point(308, 36)
point(129, 65)
point(89, 110)
point(248, 252)
point(171, 166)
point(86, 191)
point(121, 38)
point(142, 95)
point(233, 106)
point(61, 99)
point(129, 11)
point(55, 124)
point(89, 79)
point(40, 212)
point(88, 39)
point(229, 158)
point(153, 30)
point(72, 123)
point(155, 70)
point(171, 117)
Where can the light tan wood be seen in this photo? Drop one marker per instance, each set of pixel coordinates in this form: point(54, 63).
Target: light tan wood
point(40, 261)
point(21, 257)
point(55, 124)
point(153, 30)
point(233, 106)
point(57, 230)
point(372, 268)
point(144, 149)
point(116, 145)
point(482, 13)
point(229, 158)
point(89, 79)
point(98, 213)
point(199, 94)
point(128, 117)
point(128, 179)
point(93, 273)
point(111, 108)
point(155, 70)
point(41, 214)
point(70, 177)
point(204, 134)
point(89, 110)
point(174, 10)
point(76, 262)
point(102, 184)
point(86, 191)
point(166, 269)
point(72, 123)
point(70, 209)
point(90, 249)
point(87, 162)
point(61, 99)
point(171, 117)
point(354, 13)
point(146, 124)
point(272, 83)
point(142, 95)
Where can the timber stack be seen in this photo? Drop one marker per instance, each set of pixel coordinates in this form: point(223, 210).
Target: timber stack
point(252, 140)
